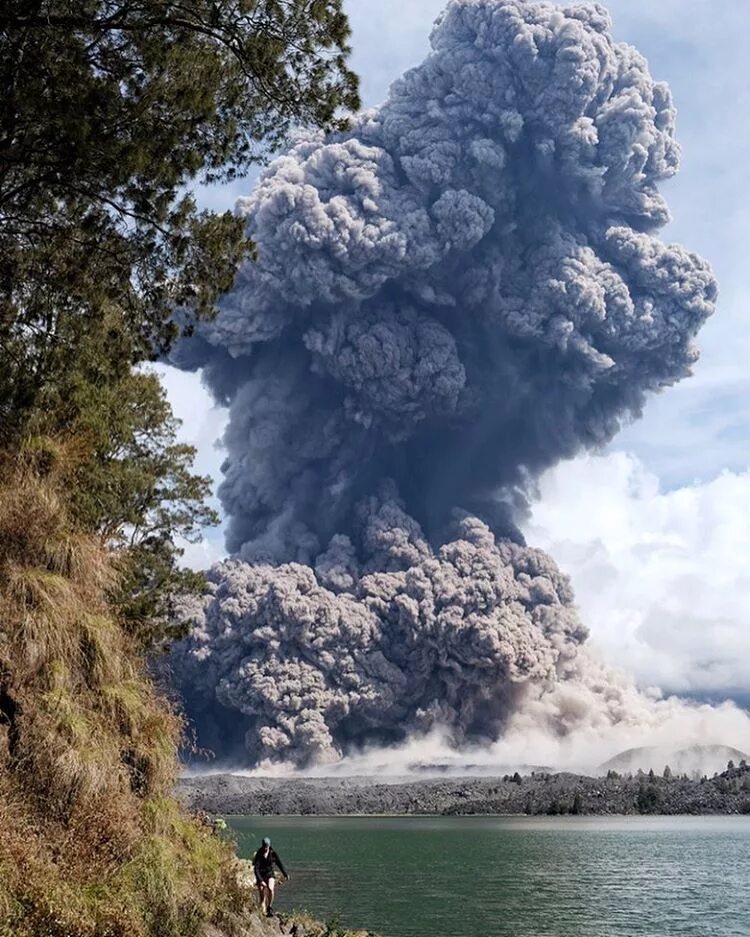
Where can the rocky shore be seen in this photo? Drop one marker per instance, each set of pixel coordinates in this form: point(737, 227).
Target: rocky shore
point(254, 924)
point(539, 793)
point(281, 925)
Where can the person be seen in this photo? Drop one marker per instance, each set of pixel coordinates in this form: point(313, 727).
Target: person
point(264, 861)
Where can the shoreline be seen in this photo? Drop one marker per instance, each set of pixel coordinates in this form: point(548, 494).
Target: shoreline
point(478, 816)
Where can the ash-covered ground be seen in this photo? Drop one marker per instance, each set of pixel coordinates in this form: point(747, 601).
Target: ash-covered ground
point(540, 793)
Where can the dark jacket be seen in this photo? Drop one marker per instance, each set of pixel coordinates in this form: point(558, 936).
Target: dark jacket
point(263, 864)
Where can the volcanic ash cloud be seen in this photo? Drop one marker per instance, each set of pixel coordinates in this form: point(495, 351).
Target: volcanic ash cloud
point(454, 295)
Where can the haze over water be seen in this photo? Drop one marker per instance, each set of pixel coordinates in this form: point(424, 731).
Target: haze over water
point(516, 877)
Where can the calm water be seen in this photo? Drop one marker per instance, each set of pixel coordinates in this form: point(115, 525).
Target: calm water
point(525, 877)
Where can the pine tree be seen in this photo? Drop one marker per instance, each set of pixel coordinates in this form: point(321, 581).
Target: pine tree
point(109, 111)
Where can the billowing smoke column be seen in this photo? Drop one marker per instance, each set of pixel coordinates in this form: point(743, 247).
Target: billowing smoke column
point(454, 295)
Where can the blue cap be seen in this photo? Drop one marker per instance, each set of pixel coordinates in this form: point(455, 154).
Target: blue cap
point(266, 840)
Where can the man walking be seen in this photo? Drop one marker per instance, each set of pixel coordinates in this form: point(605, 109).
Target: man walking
point(264, 861)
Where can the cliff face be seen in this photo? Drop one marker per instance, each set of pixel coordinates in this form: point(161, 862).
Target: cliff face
point(539, 793)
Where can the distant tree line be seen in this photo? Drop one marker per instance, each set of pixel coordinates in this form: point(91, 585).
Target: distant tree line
point(643, 792)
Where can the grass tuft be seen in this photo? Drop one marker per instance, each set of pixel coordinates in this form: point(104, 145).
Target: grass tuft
point(91, 842)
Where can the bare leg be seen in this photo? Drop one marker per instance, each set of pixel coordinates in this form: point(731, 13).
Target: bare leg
point(271, 888)
point(263, 897)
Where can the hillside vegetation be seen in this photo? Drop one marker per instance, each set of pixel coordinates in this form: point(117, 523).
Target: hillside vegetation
point(110, 114)
point(91, 842)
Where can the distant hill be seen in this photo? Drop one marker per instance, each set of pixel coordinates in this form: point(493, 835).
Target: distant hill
point(697, 759)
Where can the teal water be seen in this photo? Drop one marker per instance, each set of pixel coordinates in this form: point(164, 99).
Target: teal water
point(516, 877)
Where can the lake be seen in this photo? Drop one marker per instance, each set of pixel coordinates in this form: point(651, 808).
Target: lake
point(516, 877)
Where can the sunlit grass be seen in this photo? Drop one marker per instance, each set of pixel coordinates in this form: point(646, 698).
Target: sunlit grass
point(91, 842)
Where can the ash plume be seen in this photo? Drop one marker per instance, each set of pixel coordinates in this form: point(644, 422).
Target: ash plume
point(460, 291)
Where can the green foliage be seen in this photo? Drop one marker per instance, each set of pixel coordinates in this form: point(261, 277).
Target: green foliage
point(129, 480)
point(108, 110)
point(140, 494)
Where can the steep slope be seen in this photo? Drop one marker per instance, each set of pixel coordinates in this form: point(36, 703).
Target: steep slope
point(91, 841)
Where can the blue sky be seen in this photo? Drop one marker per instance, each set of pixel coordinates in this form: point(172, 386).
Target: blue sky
point(659, 567)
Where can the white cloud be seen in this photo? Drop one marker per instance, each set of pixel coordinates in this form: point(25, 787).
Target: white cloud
point(661, 578)
point(202, 426)
point(204, 554)
point(202, 421)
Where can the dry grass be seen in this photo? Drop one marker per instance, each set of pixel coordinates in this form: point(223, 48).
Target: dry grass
point(91, 843)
